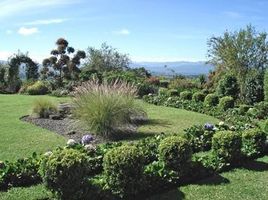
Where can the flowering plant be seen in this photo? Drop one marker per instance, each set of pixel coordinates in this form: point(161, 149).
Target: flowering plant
point(86, 139)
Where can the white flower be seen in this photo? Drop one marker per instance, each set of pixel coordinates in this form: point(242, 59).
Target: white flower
point(89, 147)
point(221, 123)
point(150, 94)
point(169, 98)
point(71, 142)
point(232, 128)
point(49, 153)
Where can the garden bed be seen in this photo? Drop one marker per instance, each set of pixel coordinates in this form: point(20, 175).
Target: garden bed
point(66, 127)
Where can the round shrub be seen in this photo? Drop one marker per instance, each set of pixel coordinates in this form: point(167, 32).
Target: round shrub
point(64, 172)
point(211, 100)
point(164, 83)
point(186, 95)
point(226, 103)
point(227, 145)
point(198, 97)
point(173, 92)
point(253, 142)
point(38, 88)
point(176, 153)
point(243, 109)
point(163, 92)
point(123, 169)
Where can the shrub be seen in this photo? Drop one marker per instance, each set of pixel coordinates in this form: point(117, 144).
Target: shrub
point(200, 136)
point(226, 103)
point(262, 110)
point(211, 100)
point(38, 88)
point(243, 109)
point(123, 169)
point(64, 172)
point(43, 107)
point(265, 87)
point(176, 153)
point(153, 81)
point(227, 145)
point(186, 95)
point(182, 84)
point(198, 97)
point(145, 88)
point(228, 86)
point(59, 93)
point(23, 172)
point(105, 108)
point(253, 142)
point(164, 83)
point(173, 92)
point(163, 91)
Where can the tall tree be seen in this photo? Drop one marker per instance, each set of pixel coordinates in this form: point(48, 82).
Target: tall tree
point(64, 62)
point(106, 58)
point(239, 52)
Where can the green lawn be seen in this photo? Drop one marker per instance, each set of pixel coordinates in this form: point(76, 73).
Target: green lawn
point(20, 139)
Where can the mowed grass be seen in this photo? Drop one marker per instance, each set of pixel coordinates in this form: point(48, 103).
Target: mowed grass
point(246, 183)
point(171, 120)
point(20, 139)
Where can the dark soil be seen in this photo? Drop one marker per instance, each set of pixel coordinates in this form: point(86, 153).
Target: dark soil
point(66, 127)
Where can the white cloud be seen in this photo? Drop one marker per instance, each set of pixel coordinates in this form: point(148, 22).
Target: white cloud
point(4, 55)
point(27, 31)
point(122, 32)
point(9, 32)
point(12, 7)
point(45, 22)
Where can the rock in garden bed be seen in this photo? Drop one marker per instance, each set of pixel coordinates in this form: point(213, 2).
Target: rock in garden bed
point(66, 127)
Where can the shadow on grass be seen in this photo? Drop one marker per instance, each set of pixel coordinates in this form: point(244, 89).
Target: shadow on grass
point(255, 165)
point(175, 194)
point(216, 179)
point(160, 122)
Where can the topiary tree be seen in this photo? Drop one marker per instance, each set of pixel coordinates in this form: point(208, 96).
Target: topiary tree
point(265, 87)
point(61, 65)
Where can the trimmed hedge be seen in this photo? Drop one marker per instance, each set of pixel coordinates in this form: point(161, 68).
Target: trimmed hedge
point(199, 97)
point(211, 100)
point(226, 103)
point(176, 153)
point(186, 95)
point(227, 145)
point(123, 169)
point(253, 142)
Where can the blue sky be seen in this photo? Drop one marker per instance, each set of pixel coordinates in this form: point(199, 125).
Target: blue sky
point(147, 30)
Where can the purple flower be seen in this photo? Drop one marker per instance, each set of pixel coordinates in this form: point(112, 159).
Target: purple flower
point(87, 139)
point(208, 126)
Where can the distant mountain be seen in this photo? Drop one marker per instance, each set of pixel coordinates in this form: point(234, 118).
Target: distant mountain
point(171, 68)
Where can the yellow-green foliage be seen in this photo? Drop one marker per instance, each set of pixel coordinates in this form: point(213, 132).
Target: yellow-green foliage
point(43, 107)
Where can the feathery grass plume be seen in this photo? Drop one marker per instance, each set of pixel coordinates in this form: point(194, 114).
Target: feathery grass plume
point(106, 107)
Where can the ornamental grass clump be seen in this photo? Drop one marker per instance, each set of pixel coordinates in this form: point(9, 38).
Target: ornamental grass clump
point(43, 107)
point(106, 108)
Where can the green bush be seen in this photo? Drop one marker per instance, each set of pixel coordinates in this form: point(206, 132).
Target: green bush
point(64, 172)
point(173, 92)
point(253, 142)
point(38, 88)
point(243, 109)
point(199, 96)
point(105, 108)
point(262, 110)
point(176, 153)
point(163, 91)
point(265, 87)
point(43, 107)
point(186, 95)
point(228, 86)
point(123, 169)
point(164, 83)
point(211, 100)
point(227, 145)
point(226, 103)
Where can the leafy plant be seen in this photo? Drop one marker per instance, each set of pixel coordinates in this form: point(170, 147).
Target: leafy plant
point(228, 86)
point(211, 100)
point(226, 102)
point(186, 95)
point(253, 142)
point(199, 96)
point(176, 153)
point(38, 88)
point(123, 168)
